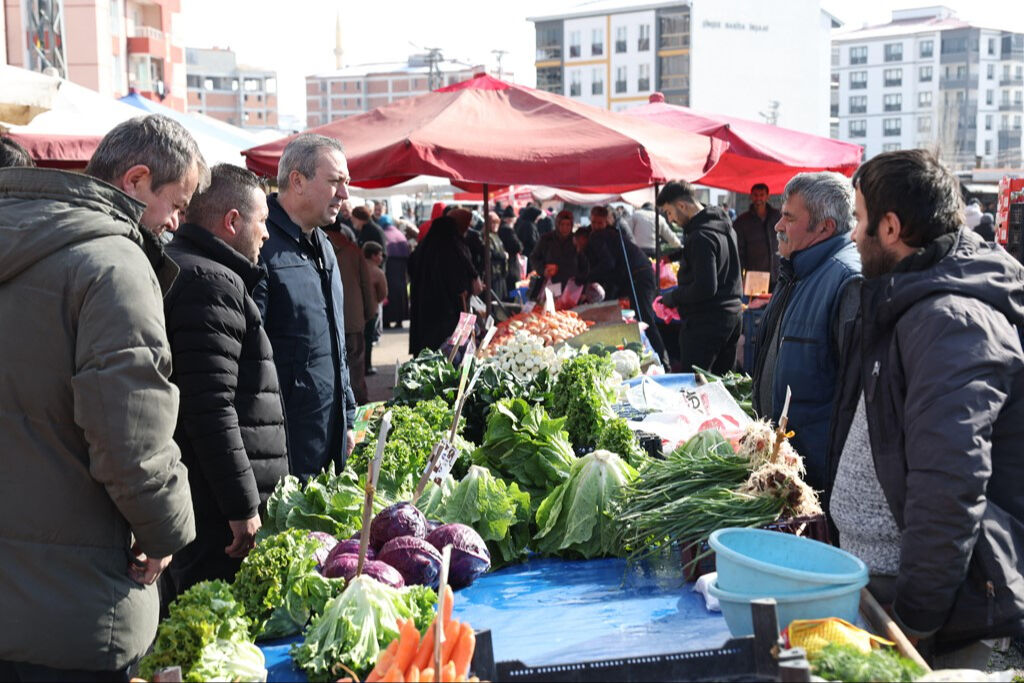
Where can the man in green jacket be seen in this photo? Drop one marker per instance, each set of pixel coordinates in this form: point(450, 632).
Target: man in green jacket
point(94, 498)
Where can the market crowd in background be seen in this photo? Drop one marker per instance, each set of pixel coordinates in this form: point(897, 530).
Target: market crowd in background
point(156, 391)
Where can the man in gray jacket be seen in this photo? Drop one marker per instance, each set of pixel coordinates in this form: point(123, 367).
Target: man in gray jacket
point(94, 499)
point(925, 457)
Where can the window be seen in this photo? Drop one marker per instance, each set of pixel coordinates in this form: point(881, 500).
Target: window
point(859, 55)
point(988, 121)
point(1017, 96)
point(208, 85)
point(194, 81)
point(924, 124)
point(597, 42)
point(858, 80)
point(1006, 98)
point(891, 127)
point(1018, 73)
point(549, 41)
point(574, 43)
point(893, 77)
point(674, 29)
point(989, 97)
point(858, 128)
point(990, 71)
point(924, 99)
point(674, 73)
point(988, 146)
point(926, 48)
point(643, 80)
point(549, 79)
point(961, 72)
point(1016, 122)
point(620, 39)
point(893, 102)
point(894, 52)
point(835, 56)
point(991, 46)
point(575, 89)
point(620, 79)
point(596, 82)
point(1004, 122)
point(643, 43)
point(924, 74)
point(859, 104)
point(954, 45)
point(891, 147)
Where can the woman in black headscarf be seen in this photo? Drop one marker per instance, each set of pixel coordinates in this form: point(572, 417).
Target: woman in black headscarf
point(442, 280)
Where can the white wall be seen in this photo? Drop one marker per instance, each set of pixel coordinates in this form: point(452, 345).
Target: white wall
point(586, 64)
point(632, 58)
point(746, 53)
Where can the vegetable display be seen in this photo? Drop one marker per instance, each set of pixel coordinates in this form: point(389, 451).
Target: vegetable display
point(204, 623)
point(498, 511)
point(356, 625)
point(583, 395)
point(332, 503)
point(739, 385)
point(523, 444)
point(553, 328)
point(400, 519)
point(278, 585)
point(618, 438)
point(576, 520)
point(847, 663)
point(525, 355)
point(470, 558)
point(416, 560)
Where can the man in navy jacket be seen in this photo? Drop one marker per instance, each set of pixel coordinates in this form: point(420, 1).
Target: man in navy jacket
point(302, 305)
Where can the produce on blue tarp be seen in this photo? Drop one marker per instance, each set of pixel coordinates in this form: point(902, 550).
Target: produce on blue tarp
point(327, 543)
point(416, 560)
point(203, 623)
point(344, 567)
point(576, 519)
point(470, 558)
point(618, 438)
point(357, 625)
point(351, 547)
point(584, 394)
point(332, 503)
point(400, 519)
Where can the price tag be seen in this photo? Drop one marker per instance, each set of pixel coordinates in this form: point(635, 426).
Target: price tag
point(446, 455)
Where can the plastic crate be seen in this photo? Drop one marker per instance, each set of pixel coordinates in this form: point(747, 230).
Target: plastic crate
point(814, 527)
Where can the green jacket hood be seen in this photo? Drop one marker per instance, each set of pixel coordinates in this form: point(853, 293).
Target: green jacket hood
point(40, 213)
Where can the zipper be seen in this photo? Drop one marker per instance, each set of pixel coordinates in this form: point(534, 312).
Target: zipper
point(990, 593)
point(869, 391)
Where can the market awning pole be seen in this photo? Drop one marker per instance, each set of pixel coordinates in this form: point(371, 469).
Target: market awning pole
point(487, 249)
point(657, 239)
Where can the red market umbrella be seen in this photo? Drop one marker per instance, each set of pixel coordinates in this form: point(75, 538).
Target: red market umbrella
point(488, 132)
point(70, 152)
point(757, 152)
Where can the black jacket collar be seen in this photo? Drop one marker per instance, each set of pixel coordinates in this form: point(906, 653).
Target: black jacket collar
point(218, 250)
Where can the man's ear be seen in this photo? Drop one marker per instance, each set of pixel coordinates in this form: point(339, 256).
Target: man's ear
point(228, 224)
point(889, 229)
point(296, 181)
point(134, 178)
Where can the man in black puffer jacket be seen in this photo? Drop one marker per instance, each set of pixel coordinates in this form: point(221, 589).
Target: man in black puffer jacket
point(231, 420)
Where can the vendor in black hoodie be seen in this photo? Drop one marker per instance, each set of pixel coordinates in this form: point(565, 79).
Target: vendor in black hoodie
point(708, 295)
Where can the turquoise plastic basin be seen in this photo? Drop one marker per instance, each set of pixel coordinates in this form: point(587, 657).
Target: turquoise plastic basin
point(773, 563)
point(842, 602)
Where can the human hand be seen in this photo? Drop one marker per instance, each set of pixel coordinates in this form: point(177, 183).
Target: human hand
point(478, 286)
point(350, 442)
point(244, 536)
point(146, 570)
point(550, 270)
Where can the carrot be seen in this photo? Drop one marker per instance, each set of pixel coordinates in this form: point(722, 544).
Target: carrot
point(394, 675)
point(425, 653)
point(427, 675)
point(449, 603)
point(412, 675)
point(409, 640)
point(452, 630)
point(462, 655)
point(449, 672)
point(383, 664)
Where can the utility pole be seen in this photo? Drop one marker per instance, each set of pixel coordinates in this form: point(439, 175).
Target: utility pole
point(771, 117)
point(434, 59)
point(339, 52)
point(499, 54)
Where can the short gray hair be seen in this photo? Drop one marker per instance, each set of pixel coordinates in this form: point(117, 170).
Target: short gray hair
point(157, 142)
point(826, 195)
point(302, 154)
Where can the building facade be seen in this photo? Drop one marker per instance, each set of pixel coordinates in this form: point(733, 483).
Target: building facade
point(219, 87)
point(357, 89)
point(113, 47)
point(755, 59)
point(930, 79)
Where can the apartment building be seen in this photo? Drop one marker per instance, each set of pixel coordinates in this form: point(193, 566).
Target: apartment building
point(112, 46)
point(219, 87)
point(356, 89)
point(931, 79)
point(764, 60)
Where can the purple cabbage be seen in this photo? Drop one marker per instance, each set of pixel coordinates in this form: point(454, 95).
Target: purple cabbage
point(326, 542)
point(400, 519)
point(348, 547)
point(341, 566)
point(470, 558)
point(416, 560)
point(344, 567)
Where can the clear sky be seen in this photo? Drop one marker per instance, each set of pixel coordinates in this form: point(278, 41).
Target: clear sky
point(296, 37)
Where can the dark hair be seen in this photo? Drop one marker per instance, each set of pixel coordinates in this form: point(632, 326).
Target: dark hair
point(361, 213)
point(230, 188)
point(759, 186)
point(677, 190)
point(13, 154)
point(156, 142)
point(599, 210)
point(914, 185)
point(371, 248)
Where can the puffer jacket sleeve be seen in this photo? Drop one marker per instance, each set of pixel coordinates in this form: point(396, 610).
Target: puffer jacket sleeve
point(127, 407)
point(958, 363)
point(206, 327)
point(698, 279)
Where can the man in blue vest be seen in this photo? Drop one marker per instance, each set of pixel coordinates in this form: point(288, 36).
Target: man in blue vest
point(798, 344)
point(302, 304)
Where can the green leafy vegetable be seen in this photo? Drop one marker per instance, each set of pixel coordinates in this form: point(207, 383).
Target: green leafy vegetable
point(847, 663)
point(355, 626)
point(230, 660)
point(618, 438)
point(575, 519)
point(279, 586)
point(332, 503)
point(200, 618)
point(496, 510)
point(524, 445)
point(583, 395)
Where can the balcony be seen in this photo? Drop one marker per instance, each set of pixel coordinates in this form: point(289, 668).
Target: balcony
point(147, 40)
point(891, 107)
point(893, 82)
point(1011, 106)
point(858, 85)
point(958, 82)
point(1012, 80)
point(1010, 139)
point(549, 53)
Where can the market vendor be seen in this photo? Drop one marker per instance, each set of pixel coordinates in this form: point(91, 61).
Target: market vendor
point(925, 458)
point(555, 254)
point(708, 295)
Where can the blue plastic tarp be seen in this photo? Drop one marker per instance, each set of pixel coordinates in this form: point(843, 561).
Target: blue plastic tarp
point(548, 611)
